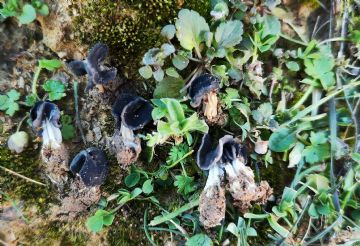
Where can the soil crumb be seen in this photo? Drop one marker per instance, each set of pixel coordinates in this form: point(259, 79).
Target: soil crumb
point(56, 162)
point(77, 200)
point(212, 206)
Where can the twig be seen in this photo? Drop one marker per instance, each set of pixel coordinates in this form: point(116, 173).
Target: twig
point(77, 114)
point(21, 176)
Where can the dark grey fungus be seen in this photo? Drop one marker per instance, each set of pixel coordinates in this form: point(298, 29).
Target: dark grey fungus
point(91, 165)
point(131, 113)
point(204, 90)
point(227, 150)
point(98, 73)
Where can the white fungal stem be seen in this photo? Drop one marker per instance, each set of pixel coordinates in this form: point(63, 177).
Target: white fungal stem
point(210, 103)
point(214, 179)
point(126, 133)
point(51, 135)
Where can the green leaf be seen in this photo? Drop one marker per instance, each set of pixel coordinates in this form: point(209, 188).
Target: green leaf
point(95, 223)
point(108, 219)
point(55, 89)
point(184, 184)
point(232, 228)
point(277, 227)
point(8, 102)
point(282, 140)
point(159, 74)
point(67, 130)
point(30, 100)
point(316, 153)
point(168, 31)
point(50, 65)
point(172, 72)
point(293, 66)
point(263, 114)
point(199, 240)
point(167, 49)
point(318, 182)
point(220, 11)
point(354, 156)
point(256, 216)
point(13, 95)
point(132, 179)
point(28, 14)
point(295, 155)
point(318, 137)
point(147, 187)
point(189, 29)
point(230, 96)
point(135, 193)
point(180, 62)
point(229, 34)
point(169, 87)
point(43, 10)
point(271, 26)
point(146, 72)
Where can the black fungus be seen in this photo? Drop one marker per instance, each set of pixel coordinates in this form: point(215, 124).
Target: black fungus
point(202, 85)
point(91, 165)
point(94, 67)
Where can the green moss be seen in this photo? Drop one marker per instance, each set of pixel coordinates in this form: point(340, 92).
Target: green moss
point(129, 27)
point(16, 188)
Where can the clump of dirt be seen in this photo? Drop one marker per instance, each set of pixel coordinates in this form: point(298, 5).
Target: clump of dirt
point(126, 153)
point(56, 164)
point(245, 191)
point(212, 206)
point(57, 30)
point(77, 200)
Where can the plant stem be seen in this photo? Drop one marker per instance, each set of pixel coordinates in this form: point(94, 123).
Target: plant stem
point(35, 80)
point(21, 176)
point(301, 101)
point(182, 158)
point(20, 123)
point(77, 114)
point(284, 36)
point(169, 216)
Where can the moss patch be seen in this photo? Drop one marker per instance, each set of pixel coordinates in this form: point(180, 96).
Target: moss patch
point(129, 27)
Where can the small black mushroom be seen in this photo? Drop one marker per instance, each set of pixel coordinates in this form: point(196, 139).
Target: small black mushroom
point(204, 89)
point(91, 166)
point(131, 113)
point(45, 117)
point(44, 111)
point(98, 73)
point(226, 150)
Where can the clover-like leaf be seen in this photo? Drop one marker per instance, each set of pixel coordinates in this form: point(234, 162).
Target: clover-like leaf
point(55, 89)
point(168, 31)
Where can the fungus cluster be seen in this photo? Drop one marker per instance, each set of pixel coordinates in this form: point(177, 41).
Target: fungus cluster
point(45, 117)
point(98, 73)
point(228, 160)
point(203, 91)
point(131, 113)
point(90, 167)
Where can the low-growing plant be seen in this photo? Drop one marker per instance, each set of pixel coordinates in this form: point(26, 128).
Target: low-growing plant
point(25, 13)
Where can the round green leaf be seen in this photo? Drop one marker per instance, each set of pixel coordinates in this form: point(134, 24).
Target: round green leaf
point(293, 66)
point(132, 179)
point(145, 72)
point(28, 14)
point(282, 140)
point(148, 187)
point(94, 223)
point(168, 31)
